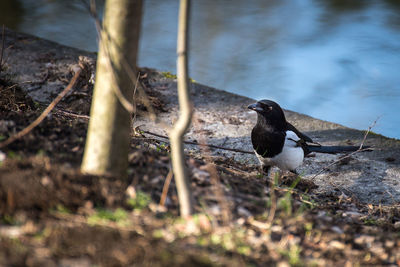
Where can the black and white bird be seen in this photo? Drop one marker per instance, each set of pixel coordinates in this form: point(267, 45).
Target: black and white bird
point(276, 142)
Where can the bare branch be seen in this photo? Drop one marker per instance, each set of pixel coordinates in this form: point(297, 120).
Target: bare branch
point(42, 116)
point(182, 124)
point(71, 114)
point(166, 187)
point(203, 144)
point(361, 149)
point(368, 130)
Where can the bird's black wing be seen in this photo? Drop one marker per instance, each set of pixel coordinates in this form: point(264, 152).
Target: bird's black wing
point(290, 127)
point(267, 144)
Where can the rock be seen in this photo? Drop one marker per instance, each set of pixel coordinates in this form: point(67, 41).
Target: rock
point(364, 240)
point(2, 156)
point(336, 244)
point(244, 212)
point(336, 229)
point(352, 214)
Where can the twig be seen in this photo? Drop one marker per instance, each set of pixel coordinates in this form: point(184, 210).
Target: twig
point(235, 170)
point(67, 113)
point(391, 195)
point(203, 145)
point(350, 154)
point(44, 113)
point(368, 130)
point(166, 187)
point(14, 85)
point(70, 114)
point(338, 160)
point(134, 99)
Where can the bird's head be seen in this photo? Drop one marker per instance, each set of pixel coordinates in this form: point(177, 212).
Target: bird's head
point(270, 111)
point(267, 108)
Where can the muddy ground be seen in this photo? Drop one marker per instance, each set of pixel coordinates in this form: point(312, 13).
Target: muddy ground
point(52, 215)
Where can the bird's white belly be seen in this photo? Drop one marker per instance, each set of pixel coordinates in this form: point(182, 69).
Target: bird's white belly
point(290, 158)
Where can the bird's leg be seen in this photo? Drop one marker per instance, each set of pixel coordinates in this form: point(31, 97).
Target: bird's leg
point(265, 169)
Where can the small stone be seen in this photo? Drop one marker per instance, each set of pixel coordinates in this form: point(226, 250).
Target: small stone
point(377, 249)
point(131, 192)
point(337, 230)
point(336, 244)
point(81, 262)
point(2, 156)
point(389, 243)
point(200, 175)
point(276, 228)
point(157, 179)
point(29, 227)
point(157, 208)
point(352, 214)
point(283, 264)
point(364, 240)
point(214, 210)
point(46, 181)
point(244, 212)
point(204, 223)
point(240, 221)
point(11, 231)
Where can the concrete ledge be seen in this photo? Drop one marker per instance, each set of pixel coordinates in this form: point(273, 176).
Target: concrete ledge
point(42, 68)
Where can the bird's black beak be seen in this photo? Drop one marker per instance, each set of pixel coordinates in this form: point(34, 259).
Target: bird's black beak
point(256, 107)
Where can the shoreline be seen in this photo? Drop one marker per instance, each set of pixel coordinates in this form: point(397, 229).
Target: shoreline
point(42, 68)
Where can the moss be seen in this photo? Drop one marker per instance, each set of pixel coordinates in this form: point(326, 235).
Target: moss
point(141, 201)
point(168, 75)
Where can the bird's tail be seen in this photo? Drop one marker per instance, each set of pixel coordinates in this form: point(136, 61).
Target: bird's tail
point(336, 149)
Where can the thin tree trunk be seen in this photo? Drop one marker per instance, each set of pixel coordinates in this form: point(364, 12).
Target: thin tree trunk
point(186, 110)
point(107, 144)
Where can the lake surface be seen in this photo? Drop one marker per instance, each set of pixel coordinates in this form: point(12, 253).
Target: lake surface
point(335, 60)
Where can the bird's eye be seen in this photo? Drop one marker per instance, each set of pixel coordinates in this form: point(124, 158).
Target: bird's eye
point(266, 107)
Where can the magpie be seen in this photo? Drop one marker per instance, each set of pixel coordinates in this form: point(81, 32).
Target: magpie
point(276, 142)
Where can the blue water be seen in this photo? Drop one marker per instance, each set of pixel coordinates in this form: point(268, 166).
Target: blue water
point(331, 59)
